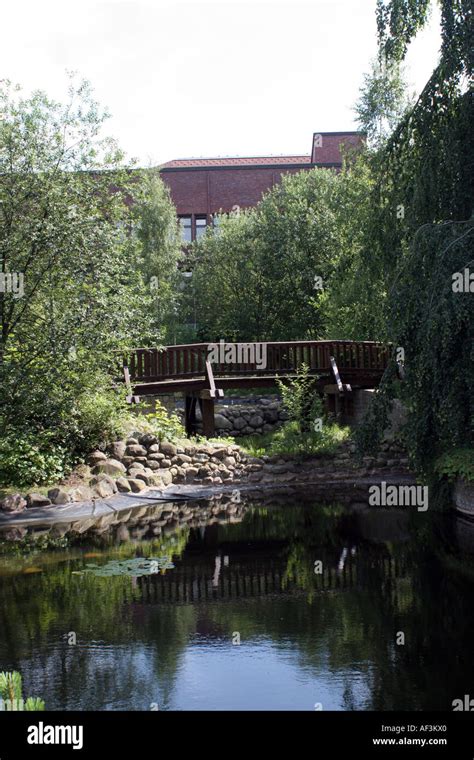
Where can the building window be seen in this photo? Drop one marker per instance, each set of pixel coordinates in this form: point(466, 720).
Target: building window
point(201, 223)
point(185, 222)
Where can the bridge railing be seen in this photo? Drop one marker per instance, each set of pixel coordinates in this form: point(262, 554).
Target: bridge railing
point(254, 359)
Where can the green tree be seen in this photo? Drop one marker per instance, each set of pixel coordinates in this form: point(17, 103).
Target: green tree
point(266, 273)
point(383, 101)
point(74, 279)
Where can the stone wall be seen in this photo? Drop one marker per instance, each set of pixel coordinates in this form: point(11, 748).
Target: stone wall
point(241, 419)
point(142, 462)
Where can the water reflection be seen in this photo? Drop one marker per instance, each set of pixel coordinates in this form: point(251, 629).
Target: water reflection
point(276, 604)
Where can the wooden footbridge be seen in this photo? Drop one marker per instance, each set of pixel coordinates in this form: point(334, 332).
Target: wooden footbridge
point(338, 367)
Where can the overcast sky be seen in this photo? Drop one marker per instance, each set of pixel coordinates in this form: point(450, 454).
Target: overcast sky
point(219, 78)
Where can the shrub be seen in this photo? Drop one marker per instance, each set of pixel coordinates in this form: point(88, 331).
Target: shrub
point(456, 463)
point(300, 398)
point(31, 460)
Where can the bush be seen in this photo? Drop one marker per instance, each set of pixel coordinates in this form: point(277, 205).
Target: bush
point(290, 440)
point(456, 463)
point(300, 399)
point(27, 460)
point(164, 425)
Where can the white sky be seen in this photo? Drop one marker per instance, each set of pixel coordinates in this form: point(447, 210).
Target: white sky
point(181, 79)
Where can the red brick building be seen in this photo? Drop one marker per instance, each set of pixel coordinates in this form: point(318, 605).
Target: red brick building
point(202, 187)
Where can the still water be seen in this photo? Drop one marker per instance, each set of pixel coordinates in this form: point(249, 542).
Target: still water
point(293, 605)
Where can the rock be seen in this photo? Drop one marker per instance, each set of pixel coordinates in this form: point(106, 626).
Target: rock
point(96, 457)
point(229, 461)
point(191, 473)
point(123, 486)
point(169, 449)
point(110, 467)
point(147, 479)
point(14, 502)
point(137, 466)
point(256, 421)
point(37, 500)
point(165, 475)
point(270, 415)
point(267, 428)
point(181, 459)
point(81, 493)
point(135, 450)
point(201, 458)
point(154, 465)
point(154, 448)
point(166, 463)
point(239, 423)
point(103, 486)
point(222, 423)
point(117, 449)
point(131, 441)
point(136, 485)
point(155, 458)
point(148, 439)
point(59, 496)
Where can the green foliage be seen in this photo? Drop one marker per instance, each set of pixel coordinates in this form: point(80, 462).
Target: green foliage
point(456, 463)
point(301, 399)
point(11, 692)
point(27, 460)
point(290, 440)
point(421, 234)
point(164, 425)
point(87, 255)
point(261, 266)
point(159, 249)
point(382, 101)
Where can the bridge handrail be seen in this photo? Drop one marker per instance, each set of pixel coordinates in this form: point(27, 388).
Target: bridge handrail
point(282, 357)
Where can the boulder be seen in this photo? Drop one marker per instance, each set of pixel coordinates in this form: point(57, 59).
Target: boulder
point(181, 459)
point(103, 486)
point(136, 485)
point(191, 473)
point(256, 421)
point(59, 496)
point(117, 449)
point(110, 467)
point(239, 423)
point(166, 476)
point(96, 457)
point(137, 466)
point(154, 448)
point(81, 493)
point(221, 422)
point(37, 500)
point(135, 450)
point(168, 449)
point(148, 439)
point(123, 486)
point(14, 502)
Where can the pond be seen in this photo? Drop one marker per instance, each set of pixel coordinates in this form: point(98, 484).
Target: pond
point(285, 603)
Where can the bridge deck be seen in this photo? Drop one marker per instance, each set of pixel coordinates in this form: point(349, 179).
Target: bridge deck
point(154, 371)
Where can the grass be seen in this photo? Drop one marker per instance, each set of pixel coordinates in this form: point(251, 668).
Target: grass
point(289, 440)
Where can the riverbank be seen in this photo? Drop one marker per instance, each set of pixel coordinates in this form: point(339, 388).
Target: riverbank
point(133, 472)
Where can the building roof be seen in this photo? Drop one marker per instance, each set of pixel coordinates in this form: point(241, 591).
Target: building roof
point(194, 163)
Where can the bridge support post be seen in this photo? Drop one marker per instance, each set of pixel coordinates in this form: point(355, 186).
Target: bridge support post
point(208, 421)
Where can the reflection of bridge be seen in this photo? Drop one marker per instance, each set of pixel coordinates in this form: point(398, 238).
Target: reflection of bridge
point(223, 577)
point(338, 366)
